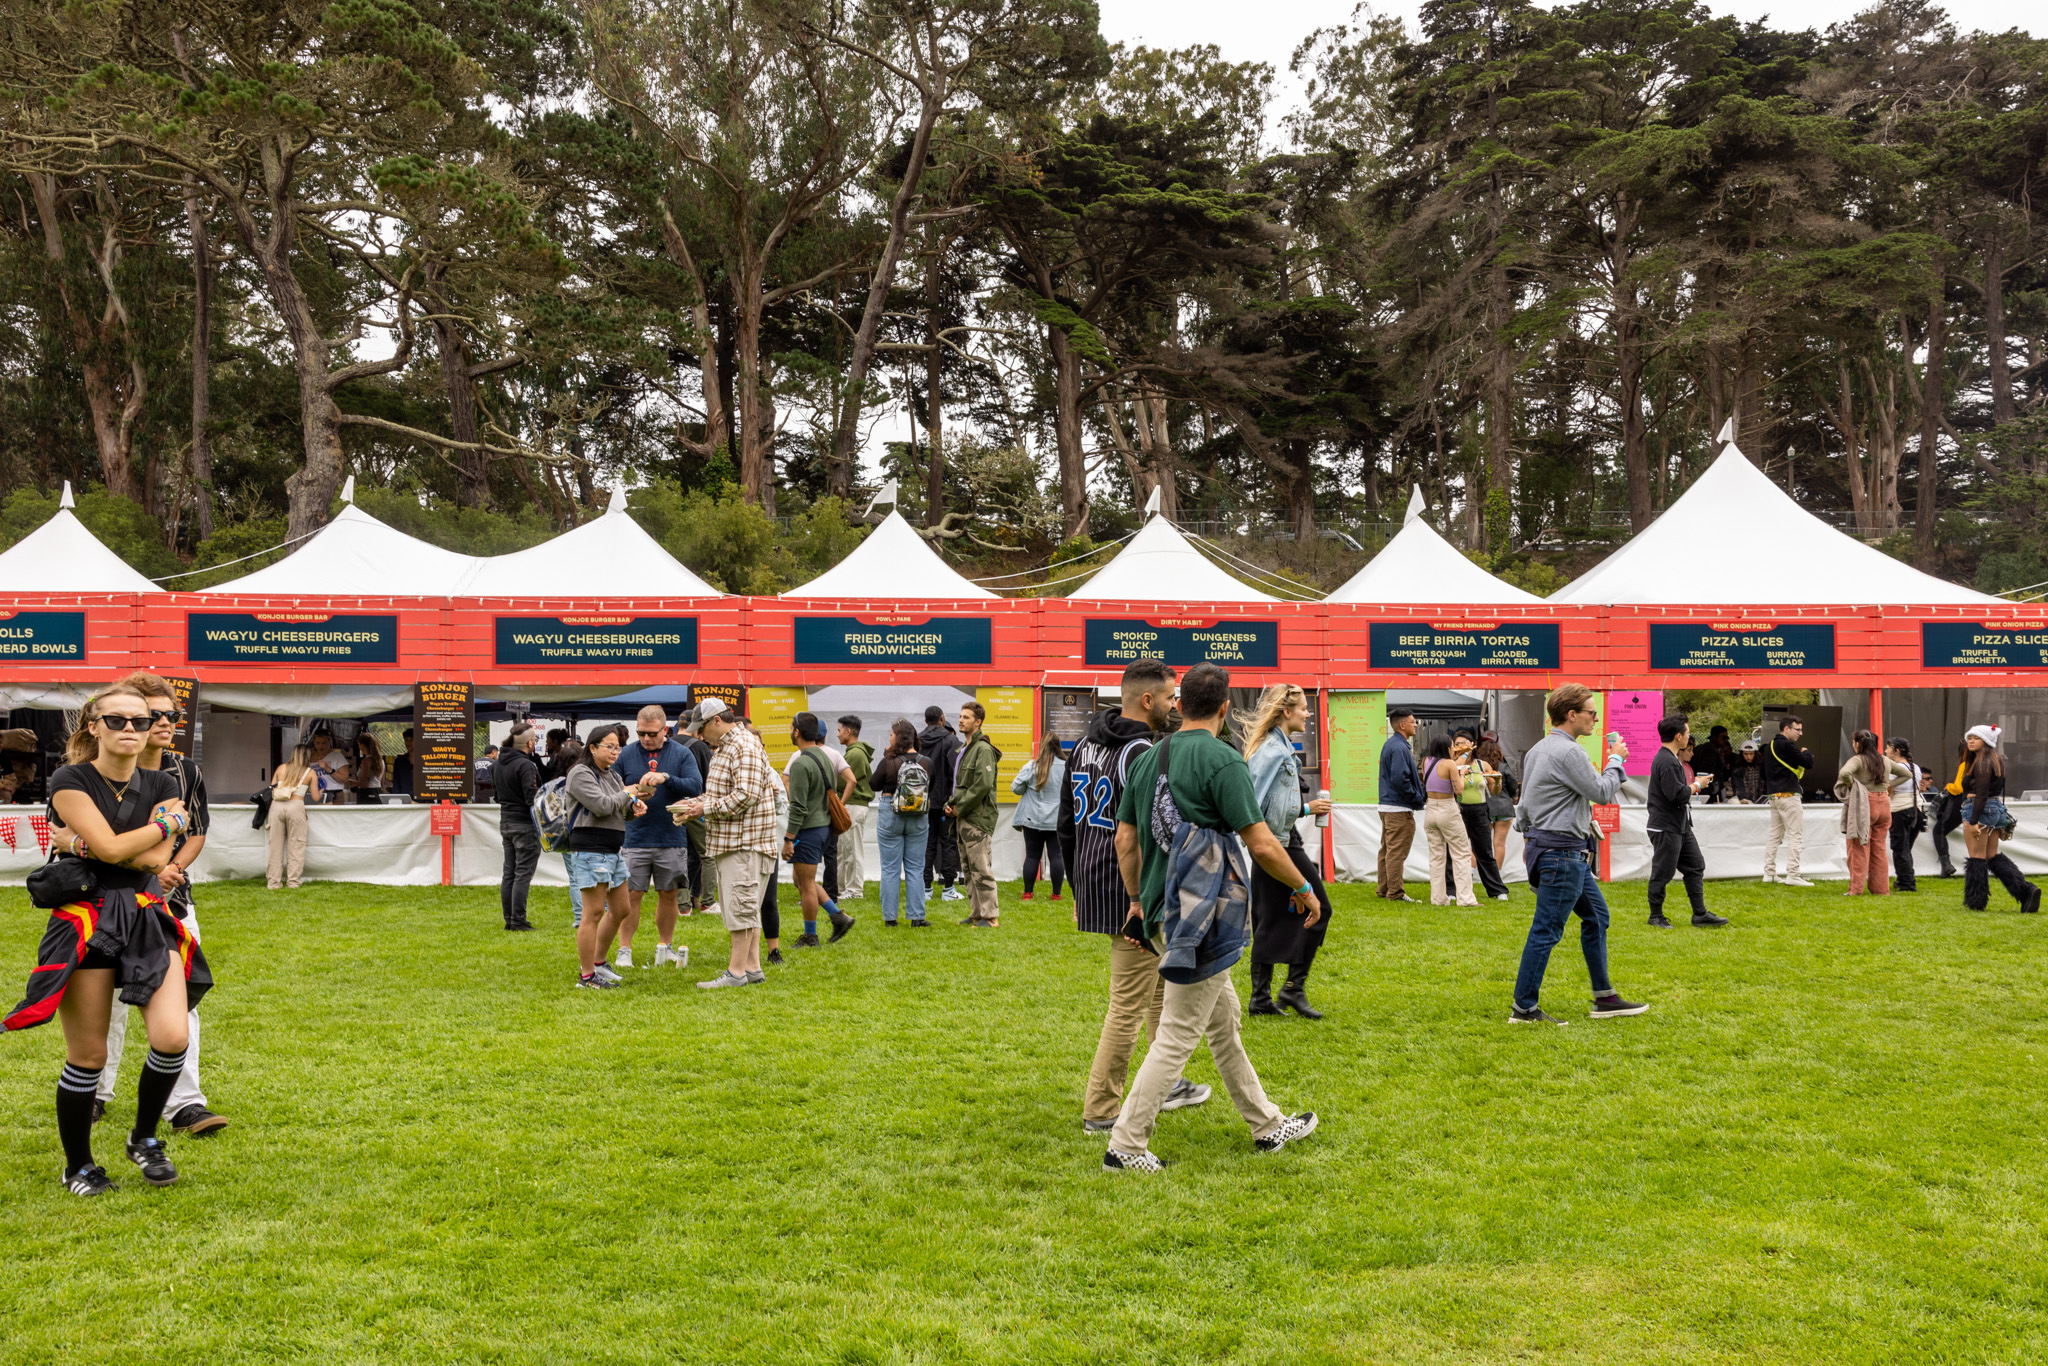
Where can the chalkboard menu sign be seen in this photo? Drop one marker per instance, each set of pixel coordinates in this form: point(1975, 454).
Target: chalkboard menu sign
point(443, 741)
point(1753, 645)
point(581, 640)
point(1183, 642)
point(29, 636)
point(290, 638)
point(186, 691)
point(894, 640)
point(1477, 646)
point(1977, 645)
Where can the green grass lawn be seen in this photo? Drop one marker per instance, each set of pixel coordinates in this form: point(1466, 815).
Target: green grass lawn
point(1823, 1141)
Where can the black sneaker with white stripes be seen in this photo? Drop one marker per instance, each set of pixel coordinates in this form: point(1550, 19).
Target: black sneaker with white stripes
point(1611, 1005)
point(154, 1159)
point(90, 1179)
point(1291, 1128)
point(1532, 1016)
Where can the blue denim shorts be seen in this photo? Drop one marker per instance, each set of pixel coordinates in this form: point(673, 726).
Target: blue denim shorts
point(810, 845)
point(592, 868)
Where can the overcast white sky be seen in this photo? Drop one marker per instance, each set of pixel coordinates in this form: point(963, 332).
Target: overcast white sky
point(1267, 30)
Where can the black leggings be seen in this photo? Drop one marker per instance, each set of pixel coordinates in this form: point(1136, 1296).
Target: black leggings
point(771, 919)
point(1046, 841)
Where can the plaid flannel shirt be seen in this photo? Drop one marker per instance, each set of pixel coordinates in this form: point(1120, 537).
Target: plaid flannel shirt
point(739, 797)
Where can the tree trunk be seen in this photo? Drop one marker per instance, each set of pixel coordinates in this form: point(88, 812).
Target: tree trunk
point(1498, 472)
point(934, 399)
point(201, 463)
point(452, 349)
point(1750, 426)
point(755, 438)
point(95, 343)
point(839, 474)
point(713, 346)
point(1301, 490)
point(1926, 501)
point(1635, 443)
point(1066, 427)
point(2002, 408)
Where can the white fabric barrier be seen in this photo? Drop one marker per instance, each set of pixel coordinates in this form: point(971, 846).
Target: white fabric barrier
point(390, 846)
point(1731, 838)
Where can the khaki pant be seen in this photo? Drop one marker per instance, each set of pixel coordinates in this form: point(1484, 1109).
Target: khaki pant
point(743, 877)
point(977, 870)
point(1136, 993)
point(287, 845)
point(1445, 828)
point(1788, 826)
point(1397, 836)
point(1206, 1009)
point(852, 876)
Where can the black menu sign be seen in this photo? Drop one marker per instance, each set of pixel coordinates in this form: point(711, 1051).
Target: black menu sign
point(443, 741)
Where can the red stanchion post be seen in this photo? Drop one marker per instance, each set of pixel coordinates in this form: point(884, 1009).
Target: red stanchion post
point(445, 820)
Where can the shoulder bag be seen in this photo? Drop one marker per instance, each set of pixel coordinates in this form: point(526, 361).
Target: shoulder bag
point(835, 807)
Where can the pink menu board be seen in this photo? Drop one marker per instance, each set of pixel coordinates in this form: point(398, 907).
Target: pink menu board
point(1635, 715)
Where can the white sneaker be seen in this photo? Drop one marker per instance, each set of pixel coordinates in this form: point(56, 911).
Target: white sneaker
point(712, 910)
point(1770, 876)
point(605, 974)
point(1295, 1126)
point(728, 978)
point(1117, 1160)
point(1794, 880)
point(624, 958)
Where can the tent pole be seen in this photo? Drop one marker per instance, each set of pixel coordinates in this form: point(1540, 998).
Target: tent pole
point(1877, 715)
point(1323, 760)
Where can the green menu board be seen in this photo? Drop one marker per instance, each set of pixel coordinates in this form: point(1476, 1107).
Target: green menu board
point(1358, 727)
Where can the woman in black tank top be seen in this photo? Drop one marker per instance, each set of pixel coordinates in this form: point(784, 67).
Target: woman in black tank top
point(114, 825)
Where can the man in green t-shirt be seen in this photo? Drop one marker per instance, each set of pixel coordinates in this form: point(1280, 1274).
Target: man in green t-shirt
point(1212, 788)
point(860, 757)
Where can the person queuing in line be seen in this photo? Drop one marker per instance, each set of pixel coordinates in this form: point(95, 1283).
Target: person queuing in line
point(808, 779)
point(1444, 828)
point(1559, 788)
point(186, 1106)
point(842, 783)
point(121, 822)
point(1903, 797)
point(1500, 800)
point(1401, 801)
point(1280, 932)
point(972, 809)
point(1474, 790)
point(657, 850)
point(1746, 777)
point(293, 785)
point(859, 757)
point(1096, 776)
point(903, 784)
point(1948, 818)
point(1673, 849)
point(703, 869)
point(1037, 786)
point(741, 832)
point(1185, 879)
point(1785, 764)
point(517, 783)
point(1864, 786)
point(1985, 823)
point(597, 836)
point(940, 745)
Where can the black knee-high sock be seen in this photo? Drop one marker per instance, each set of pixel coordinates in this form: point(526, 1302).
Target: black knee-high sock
point(159, 1074)
point(75, 1088)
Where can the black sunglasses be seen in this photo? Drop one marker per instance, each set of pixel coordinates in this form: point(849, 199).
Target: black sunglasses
point(171, 716)
point(126, 722)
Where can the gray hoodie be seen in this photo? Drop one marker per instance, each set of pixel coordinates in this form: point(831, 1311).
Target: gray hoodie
point(604, 802)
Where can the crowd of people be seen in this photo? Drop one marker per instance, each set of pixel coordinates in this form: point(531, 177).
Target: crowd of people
point(1175, 829)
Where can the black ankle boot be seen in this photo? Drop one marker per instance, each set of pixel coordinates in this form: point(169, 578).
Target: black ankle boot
point(1262, 991)
point(1976, 884)
point(1294, 996)
point(2023, 891)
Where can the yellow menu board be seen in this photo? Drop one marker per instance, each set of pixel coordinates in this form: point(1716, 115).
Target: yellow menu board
point(773, 711)
point(1358, 727)
point(1011, 725)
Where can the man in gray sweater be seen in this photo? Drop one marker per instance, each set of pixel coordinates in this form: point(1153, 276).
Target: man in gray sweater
point(1559, 787)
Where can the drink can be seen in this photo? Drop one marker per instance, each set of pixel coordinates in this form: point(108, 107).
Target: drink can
point(1323, 819)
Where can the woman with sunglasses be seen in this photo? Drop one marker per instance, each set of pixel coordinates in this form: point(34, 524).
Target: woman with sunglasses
point(121, 823)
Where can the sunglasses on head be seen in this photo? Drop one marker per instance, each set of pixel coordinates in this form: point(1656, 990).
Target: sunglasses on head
point(126, 722)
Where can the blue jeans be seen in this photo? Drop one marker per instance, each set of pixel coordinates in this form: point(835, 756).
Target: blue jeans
point(1568, 886)
point(901, 835)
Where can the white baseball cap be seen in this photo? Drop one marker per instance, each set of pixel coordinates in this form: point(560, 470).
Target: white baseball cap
point(701, 712)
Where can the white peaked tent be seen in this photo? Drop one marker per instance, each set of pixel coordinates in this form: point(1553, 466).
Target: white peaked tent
point(1419, 565)
point(894, 564)
point(1159, 565)
point(357, 556)
point(61, 556)
point(607, 557)
point(1734, 537)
